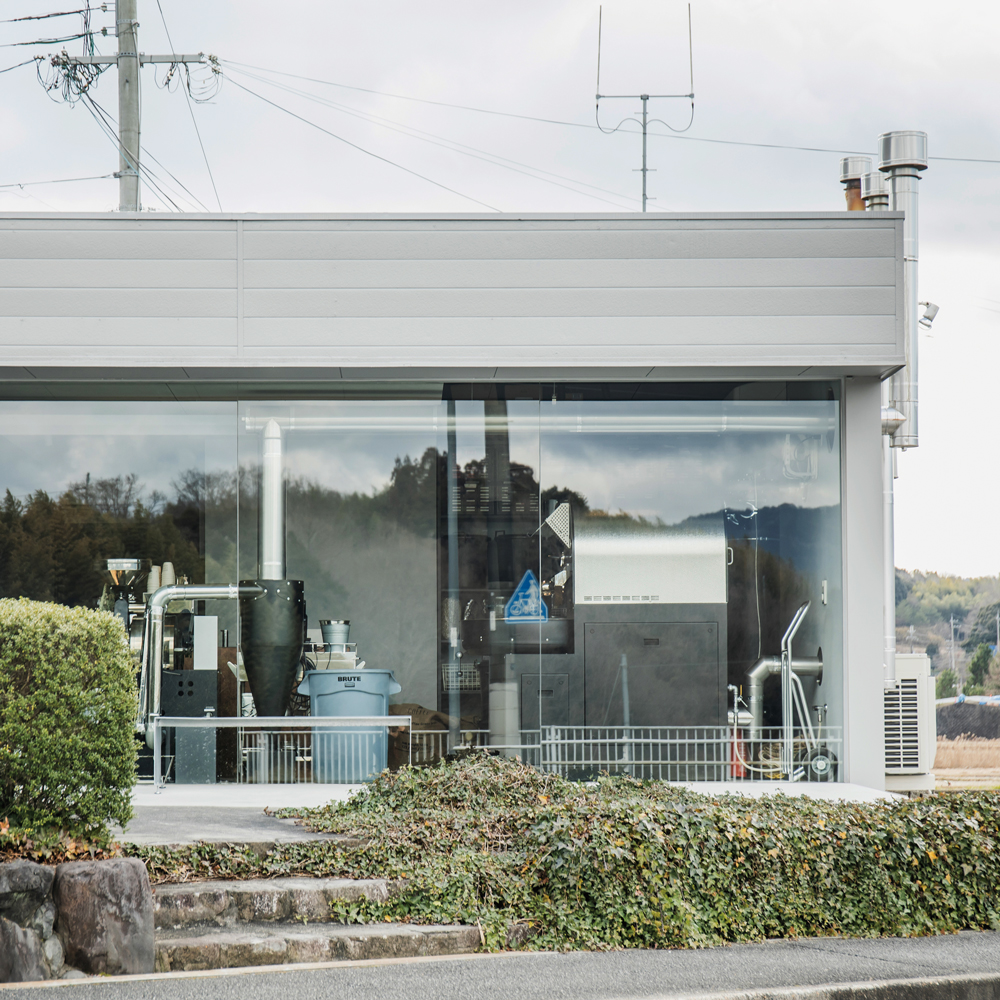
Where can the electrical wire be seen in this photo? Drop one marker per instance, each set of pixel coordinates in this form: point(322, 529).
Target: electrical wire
point(187, 96)
point(44, 41)
point(26, 62)
point(556, 121)
point(106, 122)
point(112, 126)
point(43, 17)
point(61, 180)
point(494, 158)
point(354, 145)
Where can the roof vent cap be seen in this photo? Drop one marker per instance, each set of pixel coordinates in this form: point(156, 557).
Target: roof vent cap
point(902, 149)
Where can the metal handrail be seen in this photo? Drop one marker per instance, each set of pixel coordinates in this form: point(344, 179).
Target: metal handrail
point(161, 722)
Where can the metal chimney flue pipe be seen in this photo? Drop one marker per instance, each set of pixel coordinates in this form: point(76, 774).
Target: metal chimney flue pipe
point(852, 169)
point(875, 192)
point(272, 505)
point(902, 156)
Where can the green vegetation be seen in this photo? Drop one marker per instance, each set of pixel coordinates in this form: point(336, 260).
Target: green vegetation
point(979, 665)
point(927, 599)
point(624, 863)
point(52, 550)
point(67, 707)
point(947, 684)
point(984, 628)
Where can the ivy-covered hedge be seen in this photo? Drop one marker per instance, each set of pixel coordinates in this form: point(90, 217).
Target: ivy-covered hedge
point(631, 864)
point(67, 708)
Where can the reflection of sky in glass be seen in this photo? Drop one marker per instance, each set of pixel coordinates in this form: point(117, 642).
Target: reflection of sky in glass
point(50, 445)
point(616, 454)
point(349, 446)
point(622, 457)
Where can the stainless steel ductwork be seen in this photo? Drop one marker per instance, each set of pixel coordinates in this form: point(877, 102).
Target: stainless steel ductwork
point(852, 169)
point(902, 156)
point(151, 676)
point(770, 666)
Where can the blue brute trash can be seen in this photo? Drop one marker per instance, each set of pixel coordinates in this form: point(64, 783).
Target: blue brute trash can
point(349, 756)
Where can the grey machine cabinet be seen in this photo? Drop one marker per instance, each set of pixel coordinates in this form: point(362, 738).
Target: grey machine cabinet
point(676, 656)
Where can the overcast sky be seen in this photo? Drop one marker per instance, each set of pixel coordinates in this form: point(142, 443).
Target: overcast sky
point(788, 72)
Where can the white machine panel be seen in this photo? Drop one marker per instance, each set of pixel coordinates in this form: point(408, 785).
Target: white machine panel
point(206, 642)
point(613, 564)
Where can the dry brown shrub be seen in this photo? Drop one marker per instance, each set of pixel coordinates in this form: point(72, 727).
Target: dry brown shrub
point(966, 752)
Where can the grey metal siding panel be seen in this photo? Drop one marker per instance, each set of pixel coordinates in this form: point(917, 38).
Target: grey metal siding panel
point(731, 272)
point(742, 292)
point(658, 243)
point(120, 273)
point(393, 303)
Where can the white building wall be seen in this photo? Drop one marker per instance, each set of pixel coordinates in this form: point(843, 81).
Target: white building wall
point(499, 296)
point(864, 722)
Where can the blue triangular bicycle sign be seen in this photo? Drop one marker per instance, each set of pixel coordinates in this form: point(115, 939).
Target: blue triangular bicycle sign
point(526, 604)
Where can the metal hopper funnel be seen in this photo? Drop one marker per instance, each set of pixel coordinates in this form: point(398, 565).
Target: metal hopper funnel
point(272, 621)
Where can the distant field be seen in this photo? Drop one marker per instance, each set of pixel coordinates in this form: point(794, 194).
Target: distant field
point(968, 762)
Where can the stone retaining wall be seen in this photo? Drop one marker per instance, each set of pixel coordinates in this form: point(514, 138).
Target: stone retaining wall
point(75, 919)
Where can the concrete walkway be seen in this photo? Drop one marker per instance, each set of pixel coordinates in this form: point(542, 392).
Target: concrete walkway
point(230, 813)
point(929, 968)
point(223, 814)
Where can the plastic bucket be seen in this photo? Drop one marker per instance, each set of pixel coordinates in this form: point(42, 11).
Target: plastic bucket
point(335, 632)
point(351, 755)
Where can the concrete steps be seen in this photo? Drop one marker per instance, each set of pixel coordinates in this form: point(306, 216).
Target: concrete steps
point(229, 925)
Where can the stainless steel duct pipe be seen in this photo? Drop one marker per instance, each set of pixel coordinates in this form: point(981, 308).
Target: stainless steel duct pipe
point(892, 420)
point(902, 155)
point(787, 733)
point(272, 505)
point(852, 169)
point(770, 666)
point(152, 656)
point(875, 192)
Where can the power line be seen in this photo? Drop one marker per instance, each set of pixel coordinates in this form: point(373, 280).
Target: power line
point(354, 145)
point(450, 144)
point(404, 97)
point(556, 121)
point(25, 63)
point(61, 180)
point(43, 17)
point(101, 117)
point(187, 96)
point(149, 174)
point(45, 41)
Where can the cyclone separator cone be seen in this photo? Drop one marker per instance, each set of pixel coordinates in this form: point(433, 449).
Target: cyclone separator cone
point(272, 630)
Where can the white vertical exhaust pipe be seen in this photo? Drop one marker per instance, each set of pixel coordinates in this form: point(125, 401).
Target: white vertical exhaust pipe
point(272, 506)
point(902, 155)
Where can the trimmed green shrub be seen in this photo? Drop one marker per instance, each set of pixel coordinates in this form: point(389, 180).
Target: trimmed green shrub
point(67, 708)
point(630, 864)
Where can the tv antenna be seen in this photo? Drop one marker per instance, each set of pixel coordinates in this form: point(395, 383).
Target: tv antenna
point(645, 121)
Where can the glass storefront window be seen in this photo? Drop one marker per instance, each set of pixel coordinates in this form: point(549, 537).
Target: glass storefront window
point(587, 576)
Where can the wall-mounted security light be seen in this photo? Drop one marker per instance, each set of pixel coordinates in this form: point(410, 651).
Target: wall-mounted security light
point(930, 311)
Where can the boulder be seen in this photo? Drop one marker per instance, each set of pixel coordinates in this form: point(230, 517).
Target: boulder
point(105, 917)
point(24, 887)
point(22, 958)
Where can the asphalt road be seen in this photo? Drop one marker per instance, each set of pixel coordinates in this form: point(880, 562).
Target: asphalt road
point(580, 976)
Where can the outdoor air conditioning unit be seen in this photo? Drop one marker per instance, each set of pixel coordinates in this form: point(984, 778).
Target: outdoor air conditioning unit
point(910, 726)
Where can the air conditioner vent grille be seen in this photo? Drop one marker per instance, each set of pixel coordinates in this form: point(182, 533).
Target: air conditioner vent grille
point(902, 734)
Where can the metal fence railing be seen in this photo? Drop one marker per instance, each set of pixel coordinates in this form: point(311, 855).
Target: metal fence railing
point(274, 749)
point(303, 749)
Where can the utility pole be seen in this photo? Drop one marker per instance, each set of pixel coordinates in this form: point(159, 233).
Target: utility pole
point(126, 27)
point(645, 98)
point(957, 685)
point(129, 61)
